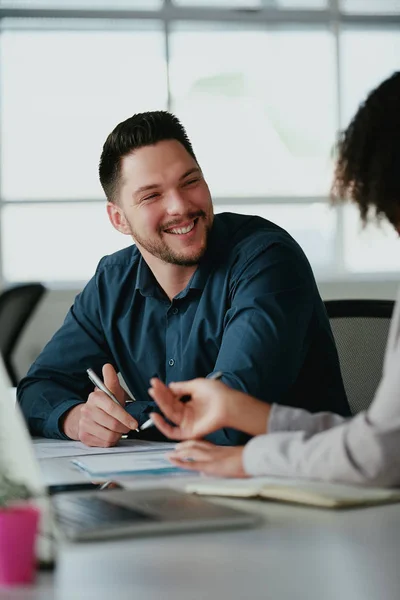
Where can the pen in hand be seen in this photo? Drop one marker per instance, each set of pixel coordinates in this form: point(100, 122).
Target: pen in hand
point(98, 383)
point(149, 422)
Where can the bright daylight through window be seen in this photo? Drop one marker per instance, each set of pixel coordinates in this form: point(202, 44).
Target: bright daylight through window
point(262, 86)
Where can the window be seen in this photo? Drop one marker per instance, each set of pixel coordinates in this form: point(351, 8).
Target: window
point(62, 92)
point(83, 4)
point(254, 3)
point(252, 95)
point(312, 225)
point(368, 57)
point(372, 249)
point(374, 7)
point(262, 86)
point(56, 242)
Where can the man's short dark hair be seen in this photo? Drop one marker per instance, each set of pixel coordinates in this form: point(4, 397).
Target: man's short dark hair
point(142, 129)
point(368, 164)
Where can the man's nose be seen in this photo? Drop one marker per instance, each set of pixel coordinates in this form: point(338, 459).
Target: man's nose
point(176, 203)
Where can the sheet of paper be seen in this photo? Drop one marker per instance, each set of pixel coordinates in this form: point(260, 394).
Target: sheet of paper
point(45, 448)
point(141, 463)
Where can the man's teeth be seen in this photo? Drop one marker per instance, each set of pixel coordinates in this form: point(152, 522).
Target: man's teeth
point(183, 229)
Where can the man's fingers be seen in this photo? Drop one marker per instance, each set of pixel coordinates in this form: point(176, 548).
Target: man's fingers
point(90, 430)
point(111, 380)
point(97, 415)
point(91, 440)
point(174, 433)
point(112, 409)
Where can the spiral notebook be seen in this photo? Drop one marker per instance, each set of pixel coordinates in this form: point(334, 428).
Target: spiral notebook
point(311, 493)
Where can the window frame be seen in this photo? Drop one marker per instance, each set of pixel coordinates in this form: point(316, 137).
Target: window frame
point(265, 17)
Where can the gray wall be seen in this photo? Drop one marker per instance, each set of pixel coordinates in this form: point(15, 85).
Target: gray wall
point(50, 314)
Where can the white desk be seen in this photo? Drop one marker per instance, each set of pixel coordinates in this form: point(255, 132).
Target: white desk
point(299, 553)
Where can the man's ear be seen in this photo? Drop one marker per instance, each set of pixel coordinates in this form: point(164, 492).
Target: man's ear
point(118, 219)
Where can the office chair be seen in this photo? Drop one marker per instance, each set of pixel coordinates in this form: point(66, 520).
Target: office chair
point(17, 305)
point(360, 329)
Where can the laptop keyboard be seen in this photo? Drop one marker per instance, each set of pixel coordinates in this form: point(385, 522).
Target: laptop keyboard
point(94, 512)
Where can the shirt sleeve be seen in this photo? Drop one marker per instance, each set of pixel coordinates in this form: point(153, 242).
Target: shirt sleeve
point(265, 328)
point(361, 450)
point(57, 380)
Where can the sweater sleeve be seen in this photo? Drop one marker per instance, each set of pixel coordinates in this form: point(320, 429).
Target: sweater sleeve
point(361, 450)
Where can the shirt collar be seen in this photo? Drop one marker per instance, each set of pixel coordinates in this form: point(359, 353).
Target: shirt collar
point(146, 283)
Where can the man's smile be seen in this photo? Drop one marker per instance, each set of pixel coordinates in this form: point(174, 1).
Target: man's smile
point(182, 229)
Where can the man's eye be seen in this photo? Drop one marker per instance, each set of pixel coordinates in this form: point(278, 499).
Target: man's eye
point(151, 197)
point(191, 182)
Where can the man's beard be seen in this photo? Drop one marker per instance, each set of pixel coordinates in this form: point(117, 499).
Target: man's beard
point(161, 250)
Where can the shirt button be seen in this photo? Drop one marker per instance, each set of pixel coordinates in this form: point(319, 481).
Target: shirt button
point(171, 362)
point(175, 311)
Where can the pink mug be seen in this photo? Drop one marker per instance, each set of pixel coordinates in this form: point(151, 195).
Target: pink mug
point(18, 527)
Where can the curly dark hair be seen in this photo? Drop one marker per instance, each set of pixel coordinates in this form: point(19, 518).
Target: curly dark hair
point(368, 163)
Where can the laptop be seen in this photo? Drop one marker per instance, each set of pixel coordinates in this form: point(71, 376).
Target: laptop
point(97, 515)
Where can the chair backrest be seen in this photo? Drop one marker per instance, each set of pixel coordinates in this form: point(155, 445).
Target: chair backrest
point(360, 329)
point(17, 305)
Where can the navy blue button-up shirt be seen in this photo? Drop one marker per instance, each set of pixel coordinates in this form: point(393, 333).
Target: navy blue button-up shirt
point(251, 310)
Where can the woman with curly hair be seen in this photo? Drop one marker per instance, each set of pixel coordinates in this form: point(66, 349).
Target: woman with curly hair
point(364, 449)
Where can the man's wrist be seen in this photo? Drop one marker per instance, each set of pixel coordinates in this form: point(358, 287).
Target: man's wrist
point(69, 423)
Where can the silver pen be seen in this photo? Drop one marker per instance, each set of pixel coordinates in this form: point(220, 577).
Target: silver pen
point(98, 383)
point(149, 422)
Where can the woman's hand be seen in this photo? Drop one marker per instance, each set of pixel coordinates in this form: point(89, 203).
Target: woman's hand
point(207, 410)
point(222, 461)
point(212, 405)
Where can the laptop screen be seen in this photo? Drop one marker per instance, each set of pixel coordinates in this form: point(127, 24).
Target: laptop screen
point(17, 457)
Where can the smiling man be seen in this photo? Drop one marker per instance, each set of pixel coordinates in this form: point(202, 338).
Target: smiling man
point(161, 199)
point(196, 293)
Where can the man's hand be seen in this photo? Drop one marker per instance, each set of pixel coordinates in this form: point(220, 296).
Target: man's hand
point(221, 461)
point(100, 422)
